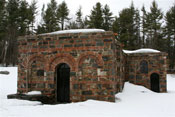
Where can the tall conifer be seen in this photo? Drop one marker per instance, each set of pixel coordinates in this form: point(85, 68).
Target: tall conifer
point(96, 17)
point(170, 35)
point(154, 26)
point(50, 17)
point(108, 19)
point(62, 14)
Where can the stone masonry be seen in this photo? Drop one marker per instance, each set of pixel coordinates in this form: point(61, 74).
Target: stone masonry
point(94, 60)
point(140, 66)
point(98, 66)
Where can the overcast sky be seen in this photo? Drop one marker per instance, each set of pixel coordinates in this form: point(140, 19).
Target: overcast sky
point(115, 5)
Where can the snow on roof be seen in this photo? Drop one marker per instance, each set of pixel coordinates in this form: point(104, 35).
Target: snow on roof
point(75, 31)
point(143, 50)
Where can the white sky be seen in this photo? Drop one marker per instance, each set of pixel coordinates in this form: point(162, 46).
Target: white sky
point(115, 5)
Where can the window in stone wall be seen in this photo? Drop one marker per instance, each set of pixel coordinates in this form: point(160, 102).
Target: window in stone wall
point(144, 66)
point(40, 72)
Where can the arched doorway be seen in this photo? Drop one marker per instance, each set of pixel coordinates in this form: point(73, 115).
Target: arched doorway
point(63, 83)
point(155, 82)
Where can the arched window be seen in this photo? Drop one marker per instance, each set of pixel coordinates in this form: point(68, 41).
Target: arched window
point(144, 67)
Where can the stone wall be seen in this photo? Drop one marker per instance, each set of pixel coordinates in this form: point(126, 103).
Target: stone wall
point(140, 66)
point(119, 62)
point(98, 66)
point(95, 60)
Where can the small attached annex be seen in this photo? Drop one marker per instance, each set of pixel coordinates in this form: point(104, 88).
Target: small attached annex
point(77, 65)
point(147, 67)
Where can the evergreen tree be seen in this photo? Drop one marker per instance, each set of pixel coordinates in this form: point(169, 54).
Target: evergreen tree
point(13, 19)
point(154, 26)
point(32, 15)
point(116, 27)
point(128, 28)
point(108, 19)
point(137, 29)
point(50, 18)
point(2, 18)
point(143, 24)
point(133, 28)
point(62, 14)
point(3, 30)
point(126, 23)
point(24, 17)
point(79, 18)
point(96, 17)
point(170, 35)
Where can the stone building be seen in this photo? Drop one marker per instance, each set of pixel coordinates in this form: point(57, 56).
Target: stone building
point(147, 67)
point(76, 65)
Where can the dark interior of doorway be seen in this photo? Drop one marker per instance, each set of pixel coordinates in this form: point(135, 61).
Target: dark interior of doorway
point(155, 85)
point(63, 83)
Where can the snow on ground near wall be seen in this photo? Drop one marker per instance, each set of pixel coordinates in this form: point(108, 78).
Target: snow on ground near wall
point(74, 31)
point(33, 93)
point(134, 101)
point(143, 50)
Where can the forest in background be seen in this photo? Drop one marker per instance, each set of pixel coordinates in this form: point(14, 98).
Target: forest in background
point(135, 28)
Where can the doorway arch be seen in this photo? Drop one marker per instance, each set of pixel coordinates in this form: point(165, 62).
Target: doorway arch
point(63, 83)
point(155, 84)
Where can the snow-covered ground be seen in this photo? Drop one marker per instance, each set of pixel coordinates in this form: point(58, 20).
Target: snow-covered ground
point(134, 101)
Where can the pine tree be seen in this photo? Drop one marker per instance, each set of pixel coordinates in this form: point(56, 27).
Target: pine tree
point(127, 26)
point(96, 17)
point(137, 29)
point(50, 17)
point(62, 14)
point(170, 35)
point(2, 18)
point(124, 23)
point(116, 27)
point(154, 26)
point(108, 19)
point(143, 24)
point(79, 18)
point(32, 15)
point(132, 28)
point(12, 27)
point(3, 30)
point(24, 17)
